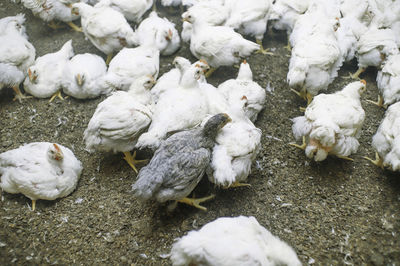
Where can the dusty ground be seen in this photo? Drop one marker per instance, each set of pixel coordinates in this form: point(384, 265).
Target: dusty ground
point(333, 212)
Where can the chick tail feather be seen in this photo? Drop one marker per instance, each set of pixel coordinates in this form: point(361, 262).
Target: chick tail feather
point(247, 47)
point(324, 134)
point(301, 127)
point(147, 183)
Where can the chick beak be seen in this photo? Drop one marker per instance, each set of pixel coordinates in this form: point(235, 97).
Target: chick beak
point(59, 155)
point(169, 36)
point(74, 12)
point(244, 61)
point(363, 81)
point(185, 19)
point(79, 79)
point(30, 74)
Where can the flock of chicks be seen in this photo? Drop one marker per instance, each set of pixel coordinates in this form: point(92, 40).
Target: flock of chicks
point(193, 127)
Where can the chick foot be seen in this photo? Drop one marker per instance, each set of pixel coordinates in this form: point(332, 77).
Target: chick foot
point(130, 159)
point(74, 27)
point(302, 146)
point(57, 94)
point(237, 184)
point(379, 102)
point(262, 50)
point(19, 95)
point(345, 158)
point(196, 202)
point(356, 74)
point(55, 25)
point(378, 160)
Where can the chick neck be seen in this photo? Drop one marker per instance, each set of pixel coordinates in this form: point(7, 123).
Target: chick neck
point(353, 90)
point(245, 72)
point(188, 79)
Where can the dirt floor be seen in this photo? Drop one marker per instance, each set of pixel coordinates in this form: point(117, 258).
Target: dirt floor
point(335, 212)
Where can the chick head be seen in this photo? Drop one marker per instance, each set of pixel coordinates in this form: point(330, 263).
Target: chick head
point(55, 152)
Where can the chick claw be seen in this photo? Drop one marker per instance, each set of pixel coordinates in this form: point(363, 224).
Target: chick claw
point(378, 160)
point(57, 94)
point(345, 158)
point(19, 95)
point(378, 103)
point(302, 146)
point(74, 27)
point(130, 159)
point(196, 202)
point(262, 50)
point(356, 74)
point(237, 184)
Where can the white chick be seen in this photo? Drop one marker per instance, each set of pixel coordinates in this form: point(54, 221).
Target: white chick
point(131, 63)
point(120, 119)
point(159, 33)
point(44, 77)
point(314, 63)
point(237, 146)
point(373, 47)
point(232, 241)
point(133, 10)
point(190, 3)
point(105, 27)
point(218, 45)
point(332, 123)
point(249, 18)
point(388, 81)
point(212, 13)
point(178, 109)
point(82, 76)
point(53, 10)
point(284, 14)
point(16, 53)
point(171, 79)
point(40, 170)
point(386, 140)
point(234, 89)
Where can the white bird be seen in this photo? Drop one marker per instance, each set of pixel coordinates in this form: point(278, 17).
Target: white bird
point(234, 89)
point(120, 119)
point(386, 140)
point(388, 81)
point(45, 75)
point(178, 109)
point(170, 79)
point(131, 63)
point(105, 27)
point(232, 241)
point(53, 10)
point(373, 47)
point(332, 123)
point(211, 12)
point(190, 3)
point(159, 33)
point(316, 56)
point(82, 76)
point(237, 146)
point(40, 170)
point(284, 14)
point(218, 45)
point(16, 53)
point(249, 18)
point(133, 10)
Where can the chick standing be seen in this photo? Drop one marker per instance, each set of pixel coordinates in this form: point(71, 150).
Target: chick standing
point(332, 123)
point(179, 164)
point(40, 170)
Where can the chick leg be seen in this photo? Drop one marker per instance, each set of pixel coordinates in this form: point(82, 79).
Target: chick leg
point(55, 25)
point(378, 103)
point(288, 46)
point(196, 202)
point(33, 205)
point(19, 95)
point(378, 160)
point(309, 98)
point(57, 94)
point(302, 146)
point(262, 50)
point(356, 74)
point(109, 57)
point(209, 72)
point(74, 27)
point(237, 184)
point(345, 158)
point(130, 159)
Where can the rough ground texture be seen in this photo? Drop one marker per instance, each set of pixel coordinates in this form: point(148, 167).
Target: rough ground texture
point(333, 212)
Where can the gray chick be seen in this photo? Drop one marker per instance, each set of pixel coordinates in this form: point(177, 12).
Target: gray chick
point(179, 164)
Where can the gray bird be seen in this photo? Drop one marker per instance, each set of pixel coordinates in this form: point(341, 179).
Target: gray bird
point(179, 164)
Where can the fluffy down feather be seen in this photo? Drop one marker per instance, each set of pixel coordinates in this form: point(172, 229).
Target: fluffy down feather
point(388, 79)
point(232, 241)
point(133, 10)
